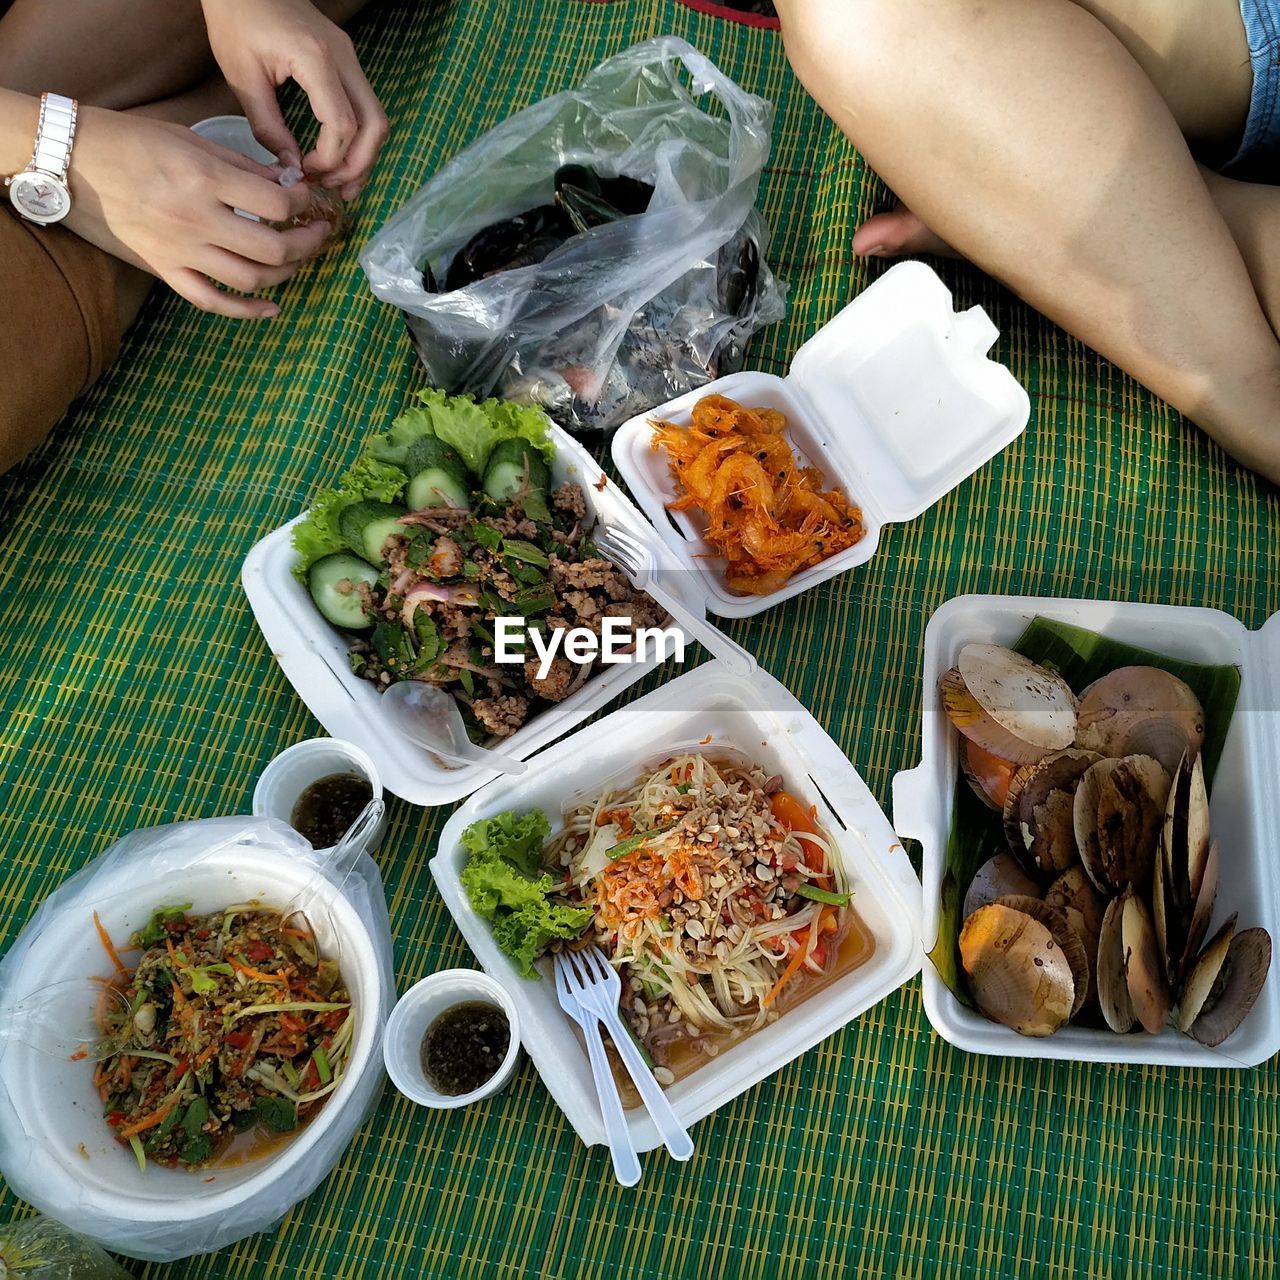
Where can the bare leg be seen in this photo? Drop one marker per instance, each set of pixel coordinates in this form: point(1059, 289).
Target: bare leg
point(114, 53)
point(1030, 139)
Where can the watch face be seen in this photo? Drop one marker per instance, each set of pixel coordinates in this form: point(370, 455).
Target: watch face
point(39, 197)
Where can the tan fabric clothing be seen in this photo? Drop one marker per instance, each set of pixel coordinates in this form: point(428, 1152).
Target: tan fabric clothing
point(59, 327)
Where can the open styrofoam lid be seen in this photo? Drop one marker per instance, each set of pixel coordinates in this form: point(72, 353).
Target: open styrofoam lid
point(905, 387)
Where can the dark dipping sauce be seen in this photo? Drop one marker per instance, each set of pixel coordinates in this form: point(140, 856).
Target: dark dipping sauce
point(464, 1046)
point(326, 809)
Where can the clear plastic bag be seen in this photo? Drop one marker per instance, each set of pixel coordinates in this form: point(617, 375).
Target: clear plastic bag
point(55, 1150)
point(622, 316)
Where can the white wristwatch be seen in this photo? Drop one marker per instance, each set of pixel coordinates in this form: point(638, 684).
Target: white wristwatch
point(40, 192)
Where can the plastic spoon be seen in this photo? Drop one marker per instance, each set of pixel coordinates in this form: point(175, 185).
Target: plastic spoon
point(66, 1019)
point(430, 717)
point(333, 872)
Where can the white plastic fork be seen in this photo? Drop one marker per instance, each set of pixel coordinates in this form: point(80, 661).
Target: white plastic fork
point(588, 979)
point(636, 559)
point(626, 1164)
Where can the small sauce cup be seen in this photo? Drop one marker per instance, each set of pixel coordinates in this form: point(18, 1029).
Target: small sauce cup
point(291, 772)
point(410, 1020)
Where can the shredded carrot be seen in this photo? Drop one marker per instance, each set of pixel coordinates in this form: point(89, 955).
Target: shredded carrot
point(793, 967)
point(297, 933)
point(205, 1055)
point(179, 998)
point(178, 962)
point(106, 942)
point(257, 974)
point(155, 1118)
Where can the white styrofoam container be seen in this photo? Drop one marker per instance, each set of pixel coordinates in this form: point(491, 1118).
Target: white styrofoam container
point(759, 718)
point(313, 655)
point(894, 401)
point(1243, 811)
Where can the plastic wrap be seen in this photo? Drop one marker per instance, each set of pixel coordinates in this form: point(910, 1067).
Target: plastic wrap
point(622, 316)
point(57, 1153)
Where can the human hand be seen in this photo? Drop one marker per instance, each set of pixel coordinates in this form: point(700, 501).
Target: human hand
point(259, 44)
point(163, 198)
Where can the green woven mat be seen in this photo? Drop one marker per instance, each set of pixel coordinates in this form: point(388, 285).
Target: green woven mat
point(134, 689)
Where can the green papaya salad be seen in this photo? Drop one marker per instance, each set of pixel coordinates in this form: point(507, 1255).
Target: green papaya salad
point(448, 520)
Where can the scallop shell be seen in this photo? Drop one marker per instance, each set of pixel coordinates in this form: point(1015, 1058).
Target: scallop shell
point(1007, 704)
point(1113, 987)
point(1203, 974)
point(1017, 972)
point(987, 774)
point(1201, 913)
point(1045, 807)
point(1238, 985)
point(1073, 893)
point(1141, 711)
point(998, 877)
point(1119, 807)
point(1056, 921)
point(1144, 965)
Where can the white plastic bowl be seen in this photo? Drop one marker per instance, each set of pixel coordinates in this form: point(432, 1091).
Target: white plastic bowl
point(758, 718)
point(894, 400)
point(418, 1008)
point(290, 773)
point(71, 1167)
point(1243, 814)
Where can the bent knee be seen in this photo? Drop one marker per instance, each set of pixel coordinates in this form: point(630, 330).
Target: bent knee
point(842, 50)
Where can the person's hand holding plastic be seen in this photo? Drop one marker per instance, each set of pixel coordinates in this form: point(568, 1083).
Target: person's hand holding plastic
point(164, 199)
point(259, 44)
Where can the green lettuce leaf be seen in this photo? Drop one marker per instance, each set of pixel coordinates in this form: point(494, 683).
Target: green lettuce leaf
point(318, 535)
point(393, 444)
point(505, 883)
point(473, 429)
point(525, 934)
point(492, 882)
point(516, 837)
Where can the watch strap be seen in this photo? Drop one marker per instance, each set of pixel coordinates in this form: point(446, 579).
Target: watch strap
point(54, 135)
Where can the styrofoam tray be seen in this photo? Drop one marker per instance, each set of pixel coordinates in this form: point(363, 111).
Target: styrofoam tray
point(313, 655)
point(894, 401)
point(1242, 808)
point(758, 717)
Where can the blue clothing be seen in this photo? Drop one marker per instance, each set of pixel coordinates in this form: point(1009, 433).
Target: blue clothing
point(1260, 146)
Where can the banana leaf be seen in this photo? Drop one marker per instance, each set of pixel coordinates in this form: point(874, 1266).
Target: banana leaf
point(1079, 657)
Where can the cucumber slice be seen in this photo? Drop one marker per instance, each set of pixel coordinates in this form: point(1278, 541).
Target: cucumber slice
point(515, 466)
point(431, 451)
point(440, 477)
point(366, 526)
point(333, 583)
point(436, 487)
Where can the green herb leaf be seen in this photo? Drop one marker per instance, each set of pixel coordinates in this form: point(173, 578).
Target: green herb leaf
point(195, 1117)
point(196, 1150)
point(155, 930)
point(518, 549)
point(278, 1114)
point(243, 1121)
point(486, 535)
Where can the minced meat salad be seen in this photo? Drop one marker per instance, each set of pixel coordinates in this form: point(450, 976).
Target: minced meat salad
point(233, 1024)
point(447, 522)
